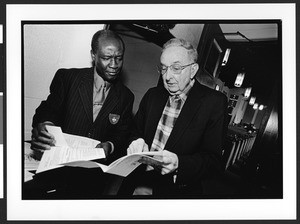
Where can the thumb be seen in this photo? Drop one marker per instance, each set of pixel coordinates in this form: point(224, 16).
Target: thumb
point(167, 159)
point(145, 148)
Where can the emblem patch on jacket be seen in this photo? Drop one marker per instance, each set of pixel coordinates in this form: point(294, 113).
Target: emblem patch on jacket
point(114, 118)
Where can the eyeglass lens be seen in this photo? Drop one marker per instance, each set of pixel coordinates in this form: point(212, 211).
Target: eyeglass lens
point(175, 68)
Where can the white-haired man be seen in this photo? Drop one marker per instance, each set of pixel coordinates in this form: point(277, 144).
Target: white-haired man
point(183, 119)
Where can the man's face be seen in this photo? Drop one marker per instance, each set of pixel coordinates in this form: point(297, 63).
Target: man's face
point(108, 58)
point(177, 83)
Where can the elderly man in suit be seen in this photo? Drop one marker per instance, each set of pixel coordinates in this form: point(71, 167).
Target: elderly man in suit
point(183, 119)
point(90, 102)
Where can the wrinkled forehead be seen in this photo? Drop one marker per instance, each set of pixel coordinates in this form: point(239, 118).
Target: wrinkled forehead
point(109, 42)
point(175, 54)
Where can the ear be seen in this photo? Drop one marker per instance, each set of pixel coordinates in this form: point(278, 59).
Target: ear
point(92, 55)
point(194, 69)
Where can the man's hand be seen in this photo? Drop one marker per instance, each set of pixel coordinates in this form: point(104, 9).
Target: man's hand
point(168, 165)
point(137, 146)
point(41, 139)
point(170, 162)
point(107, 147)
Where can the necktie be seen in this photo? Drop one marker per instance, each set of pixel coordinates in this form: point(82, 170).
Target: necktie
point(100, 96)
point(166, 123)
point(99, 99)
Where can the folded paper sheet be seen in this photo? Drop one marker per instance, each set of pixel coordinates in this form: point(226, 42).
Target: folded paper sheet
point(78, 151)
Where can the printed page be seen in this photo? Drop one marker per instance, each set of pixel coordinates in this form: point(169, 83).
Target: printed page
point(127, 164)
point(75, 141)
point(29, 162)
point(58, 135)
point(155, 154)
point(124, 166)
point(58, 156)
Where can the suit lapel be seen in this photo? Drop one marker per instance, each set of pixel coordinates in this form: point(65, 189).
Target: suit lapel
point(86, 94)
point(155, 109)
point(191, 106)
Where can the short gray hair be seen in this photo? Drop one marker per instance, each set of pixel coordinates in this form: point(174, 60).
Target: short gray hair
point(176, 42)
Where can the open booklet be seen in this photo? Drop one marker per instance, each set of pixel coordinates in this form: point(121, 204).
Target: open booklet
point(78, 151)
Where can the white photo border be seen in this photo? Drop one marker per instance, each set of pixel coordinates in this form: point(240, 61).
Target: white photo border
point(275, 209)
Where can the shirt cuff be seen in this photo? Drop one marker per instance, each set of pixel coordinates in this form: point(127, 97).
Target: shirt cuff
point(49, 122)
point(112, 146)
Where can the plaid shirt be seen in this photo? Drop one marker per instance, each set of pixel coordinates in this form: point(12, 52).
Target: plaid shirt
point(168, 118)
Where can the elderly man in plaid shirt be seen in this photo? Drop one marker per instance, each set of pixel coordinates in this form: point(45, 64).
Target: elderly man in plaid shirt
point(183, 119)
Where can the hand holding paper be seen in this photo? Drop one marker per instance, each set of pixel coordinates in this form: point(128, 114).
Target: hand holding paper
point(78, 151)
point(137, 146)
point(170, 162)
point(166, 162)
point(41, 139)
point(69, 149)
point(155, 161)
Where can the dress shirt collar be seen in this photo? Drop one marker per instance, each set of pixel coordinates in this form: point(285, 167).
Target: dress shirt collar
point(185, 93)
point(98, 82)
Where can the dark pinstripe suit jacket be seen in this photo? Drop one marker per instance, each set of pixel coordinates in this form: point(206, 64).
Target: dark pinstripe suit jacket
point(196, 138)
point(70, 106)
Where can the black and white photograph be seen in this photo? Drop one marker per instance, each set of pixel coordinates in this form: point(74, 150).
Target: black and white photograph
point(241, 61)
point(140, 111)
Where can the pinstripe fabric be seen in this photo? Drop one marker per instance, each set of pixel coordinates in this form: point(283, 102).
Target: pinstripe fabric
point(70, 106)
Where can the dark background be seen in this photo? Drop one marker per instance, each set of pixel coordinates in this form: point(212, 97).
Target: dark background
point(1, 68)
point(1, 90)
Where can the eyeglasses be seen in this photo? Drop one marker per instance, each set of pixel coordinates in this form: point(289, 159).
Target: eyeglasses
point(175, 68)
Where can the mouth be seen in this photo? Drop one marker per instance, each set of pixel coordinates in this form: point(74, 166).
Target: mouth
point(170, 84)
point(112, 73)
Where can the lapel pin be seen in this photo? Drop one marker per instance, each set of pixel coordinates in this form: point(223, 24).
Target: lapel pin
point(114, 118)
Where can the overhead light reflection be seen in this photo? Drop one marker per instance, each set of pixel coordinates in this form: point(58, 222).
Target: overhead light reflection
point(252, 100)
point(248, 92)
point(226, 56)
point(239, 79)
point(255, 106)
point(261, 107)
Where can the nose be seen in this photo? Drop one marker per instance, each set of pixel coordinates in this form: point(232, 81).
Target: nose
point(168, 74)
point(113, 63)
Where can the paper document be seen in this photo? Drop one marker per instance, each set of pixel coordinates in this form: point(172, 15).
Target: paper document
point(77, 151)
point(121, 167)
point(59, 156)
point(125, 165)
point(30, 164)
point(73, 141)
point(58, 135)
point(69, 149)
